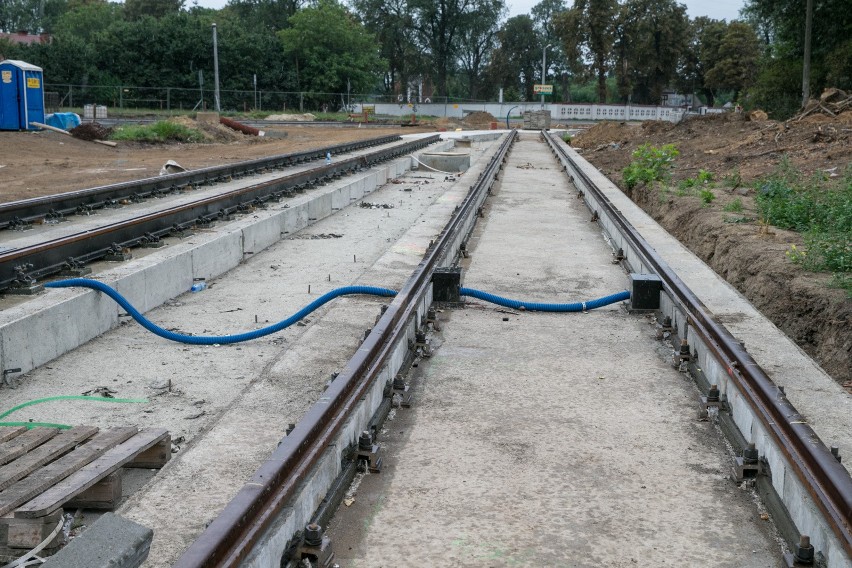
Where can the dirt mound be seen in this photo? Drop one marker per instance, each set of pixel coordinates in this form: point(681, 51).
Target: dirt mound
point(657, 126)
point(476, 119)
point(606, 133)
point(91, 131)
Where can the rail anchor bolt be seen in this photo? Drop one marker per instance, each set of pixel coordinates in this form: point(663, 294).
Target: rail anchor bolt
point(748, 465)
point(803, 553)
point(316, 547)
point(712, 403)
point(369, 453)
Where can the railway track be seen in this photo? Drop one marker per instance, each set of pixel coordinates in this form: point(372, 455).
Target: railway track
point(22, 268)
point(801, 480)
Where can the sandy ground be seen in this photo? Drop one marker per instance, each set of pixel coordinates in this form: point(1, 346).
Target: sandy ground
point(42, 163)
point(737, 246)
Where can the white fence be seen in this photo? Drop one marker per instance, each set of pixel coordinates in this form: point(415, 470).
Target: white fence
point(558, 112)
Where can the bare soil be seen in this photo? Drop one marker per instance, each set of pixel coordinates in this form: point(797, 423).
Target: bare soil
point(748, 254)
point(33, 164)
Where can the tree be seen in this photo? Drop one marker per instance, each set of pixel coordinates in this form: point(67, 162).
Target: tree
point(588, 28)
point(477, 39)
point(331, 50)
point(515, 61)
point(271, 15)
point(563, 65)
point(652, 35)
point(437, 24)
point(701, 54)
point(392, 24)
point(736, 64)
point(136, 9)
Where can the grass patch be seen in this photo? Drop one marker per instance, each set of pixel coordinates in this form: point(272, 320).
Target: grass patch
point(158, 133)
point(820, 208)
point(707, 197)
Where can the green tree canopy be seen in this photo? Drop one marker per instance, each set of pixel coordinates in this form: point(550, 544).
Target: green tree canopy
point(330, 49)
point(588, 30)
point(516, 59)
point(736, 62)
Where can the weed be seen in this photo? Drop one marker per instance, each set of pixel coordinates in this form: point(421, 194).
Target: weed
point(650, 164)
point(707, 196)
point(735, 206)
point(818, 207)
point(685, 185)
point(733, 179)
point(705, 177)
point(158, 132)
point(567, 138)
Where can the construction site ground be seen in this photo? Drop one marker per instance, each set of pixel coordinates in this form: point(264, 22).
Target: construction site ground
point(43, 163)
point(749, 254)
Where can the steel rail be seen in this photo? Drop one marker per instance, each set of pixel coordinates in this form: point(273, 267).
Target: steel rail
point(826, 480)
point(232, 535)
point(20, 267)
point(16, 214)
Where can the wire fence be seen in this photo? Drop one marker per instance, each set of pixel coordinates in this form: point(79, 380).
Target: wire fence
point(168, 99)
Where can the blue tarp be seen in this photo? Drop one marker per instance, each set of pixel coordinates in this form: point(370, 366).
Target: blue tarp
point(63, 120)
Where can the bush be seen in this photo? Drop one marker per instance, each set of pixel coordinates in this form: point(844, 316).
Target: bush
point(735, 206)
point(650, 164)
point(707, 196)
point(159, 132)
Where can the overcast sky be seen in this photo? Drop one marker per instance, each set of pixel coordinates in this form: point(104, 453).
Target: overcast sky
point(717, 9)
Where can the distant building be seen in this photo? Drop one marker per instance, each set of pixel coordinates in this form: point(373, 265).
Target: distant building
point(25, 38)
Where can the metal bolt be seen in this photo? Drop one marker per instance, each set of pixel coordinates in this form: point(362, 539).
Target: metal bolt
point(313, 535)
point(684, 347)
point(667, 321)
point(804, 550)
point(398, 382)
point(431, 314)
point(750, 454)
point(713, 394)
point(420, 337)
point(365, 441)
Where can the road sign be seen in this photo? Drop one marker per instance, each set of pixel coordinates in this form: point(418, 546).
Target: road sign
point(543, 89)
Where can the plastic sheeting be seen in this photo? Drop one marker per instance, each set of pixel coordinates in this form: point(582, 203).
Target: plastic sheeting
point(63, 120)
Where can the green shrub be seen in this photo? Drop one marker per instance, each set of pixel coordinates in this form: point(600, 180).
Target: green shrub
point(650, 164)
point(567, 138)
point(707, 196)
point(705, 177)
point(158, 132)
point(735, 206)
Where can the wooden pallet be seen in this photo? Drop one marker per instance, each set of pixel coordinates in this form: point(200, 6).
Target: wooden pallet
point(46, 470)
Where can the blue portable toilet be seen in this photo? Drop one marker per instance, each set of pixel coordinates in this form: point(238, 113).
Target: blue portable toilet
point(21, 95)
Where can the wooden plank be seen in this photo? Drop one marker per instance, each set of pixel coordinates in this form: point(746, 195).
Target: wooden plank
point(69, 488)
point(54, 472)
point(48, 127)
point(103, 495)
point(154, 457)
point(19, 445)
point(28, 533)
point(52, 449)
point(9, 432)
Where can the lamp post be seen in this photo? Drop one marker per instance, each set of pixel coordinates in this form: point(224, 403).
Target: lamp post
point(216, 70)
point(544, 71)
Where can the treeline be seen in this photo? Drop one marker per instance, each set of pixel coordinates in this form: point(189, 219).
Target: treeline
point(602, 50)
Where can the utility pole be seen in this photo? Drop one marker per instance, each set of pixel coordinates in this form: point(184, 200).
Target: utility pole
point(254, 80)
point(216, 71)
point(544, 70)
point(806, 72)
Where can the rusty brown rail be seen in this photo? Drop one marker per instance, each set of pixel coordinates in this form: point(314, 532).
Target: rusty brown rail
point(234, 533)
point(826, 480)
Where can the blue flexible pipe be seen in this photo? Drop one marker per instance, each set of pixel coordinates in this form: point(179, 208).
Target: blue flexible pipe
point(324, 299)
point(538, 307)
point(222, 339)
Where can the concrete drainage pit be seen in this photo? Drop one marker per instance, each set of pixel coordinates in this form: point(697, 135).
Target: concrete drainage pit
point(450, 162)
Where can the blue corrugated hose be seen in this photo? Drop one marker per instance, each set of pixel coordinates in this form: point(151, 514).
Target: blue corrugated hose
point(324, 299)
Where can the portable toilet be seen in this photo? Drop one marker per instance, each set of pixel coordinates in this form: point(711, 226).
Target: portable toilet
point(21, 95)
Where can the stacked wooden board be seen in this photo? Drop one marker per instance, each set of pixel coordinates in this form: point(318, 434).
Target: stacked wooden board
point(46, 470)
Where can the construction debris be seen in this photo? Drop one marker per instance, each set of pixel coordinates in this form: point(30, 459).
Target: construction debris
point(832, 102)
point(239, 127)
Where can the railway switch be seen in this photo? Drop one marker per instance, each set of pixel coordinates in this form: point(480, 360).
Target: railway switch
point(368, 452)
point(645, 292)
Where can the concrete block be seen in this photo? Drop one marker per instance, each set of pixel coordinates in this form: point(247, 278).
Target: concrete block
point(153, 284)
point(262, 234)
point(446, 161)
point(218, 255)
point(111, 542)
point(320, 207)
